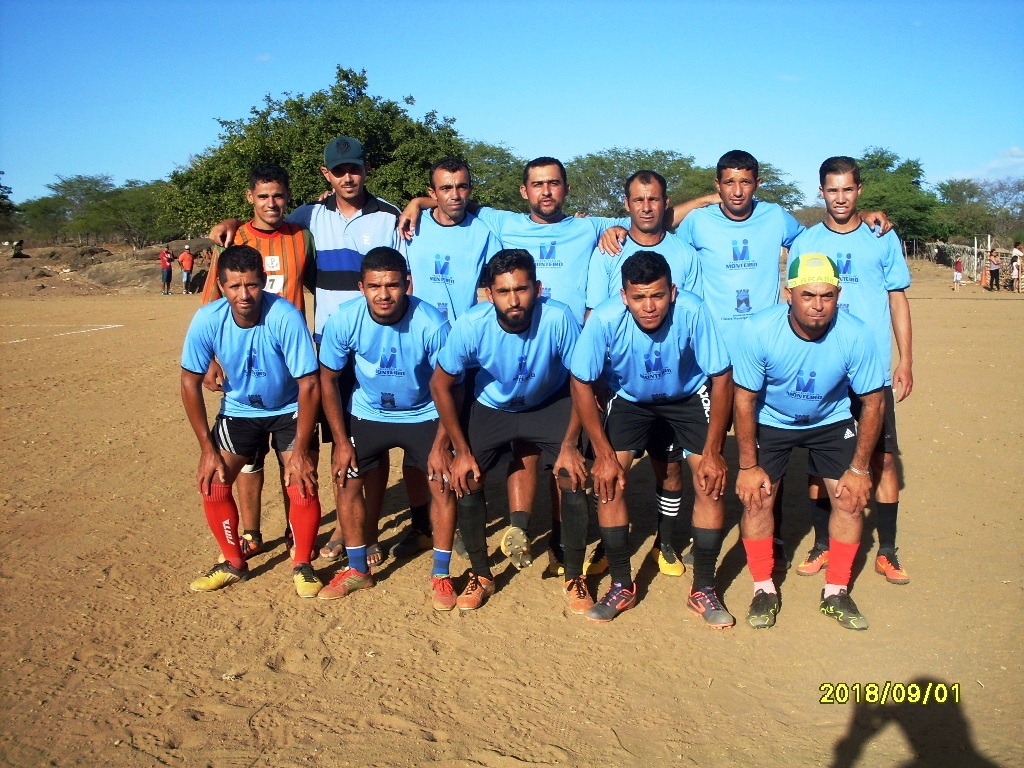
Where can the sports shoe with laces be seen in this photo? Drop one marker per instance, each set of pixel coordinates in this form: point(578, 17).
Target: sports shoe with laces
point(515, 545)
point(576, 592)
point(442, 593)
point(842, 608)
point(220, 576)
point(597, 563)
point(345, 583)
point(556, 562)
point(307, 584)
point(668, 561)
point(617, 600)
point(763, 609)
point(705, 603)
point(414, 542)
point(816, 560)
point(477, 590)
point(888, 565)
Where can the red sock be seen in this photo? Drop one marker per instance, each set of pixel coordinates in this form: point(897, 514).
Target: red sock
point(222, 516)
point(761, 558)
point(840, 562)
point(305, 522)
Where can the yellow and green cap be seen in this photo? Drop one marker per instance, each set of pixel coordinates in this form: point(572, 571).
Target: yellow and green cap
point(812, 268)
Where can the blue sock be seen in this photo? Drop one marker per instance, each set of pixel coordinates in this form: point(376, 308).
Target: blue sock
point(442, 558)
point(357, 558)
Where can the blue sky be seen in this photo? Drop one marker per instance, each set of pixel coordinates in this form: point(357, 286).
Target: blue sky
point(132, 89)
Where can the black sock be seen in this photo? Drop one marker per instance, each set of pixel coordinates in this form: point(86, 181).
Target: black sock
point(707, 544)
point(575, 517)
point(555, 540)
point(472, 512)
point(821, 511)
point(777, 512)
point(668, 513)
point(520, 519)
point(616, 546)
point(885, 524)
point(419, 518)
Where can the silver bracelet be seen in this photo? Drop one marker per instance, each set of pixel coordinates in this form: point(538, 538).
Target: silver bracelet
point(861, 472)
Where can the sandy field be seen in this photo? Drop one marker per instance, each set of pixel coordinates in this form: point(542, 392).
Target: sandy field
point(107, 658)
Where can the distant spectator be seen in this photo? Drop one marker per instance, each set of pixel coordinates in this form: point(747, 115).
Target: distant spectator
point(1015, 273)
point(1018, 256)
point(185, 260)
point(995, 261)
point(166, 259)
point(958, 273)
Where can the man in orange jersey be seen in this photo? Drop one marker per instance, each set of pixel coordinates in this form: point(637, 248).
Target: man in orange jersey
point(289, 258)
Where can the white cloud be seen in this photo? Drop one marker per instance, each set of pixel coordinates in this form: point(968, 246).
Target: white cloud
point(264, 57)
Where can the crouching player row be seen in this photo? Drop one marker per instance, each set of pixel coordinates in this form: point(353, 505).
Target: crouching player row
point(271, 388)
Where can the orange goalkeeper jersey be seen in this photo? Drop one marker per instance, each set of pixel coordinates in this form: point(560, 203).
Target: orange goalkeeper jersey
point(289, 259)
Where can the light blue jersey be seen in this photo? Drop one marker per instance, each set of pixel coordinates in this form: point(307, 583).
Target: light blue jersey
point(260, 363)
point(561, 250)
point(605, 279)
point(739, 261)
point(518, 371)
point(669, 364)
point(804, 383)
point(869, 267)
point(446, 262)
point(393, 363)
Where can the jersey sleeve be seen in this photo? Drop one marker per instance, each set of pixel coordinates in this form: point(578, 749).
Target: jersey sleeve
point(301, 216)
point(895, 271)
point(691, 279)
point(494, 219)
point(792, 228)
point(588, 356)
point(601, 223)
point(749, 369)
point(334, 344)
point(296, 343)
point(597, 278)
point(197, 352)
point(309, 275)
point(458, 348)
point(706, 342)
point(864, 364)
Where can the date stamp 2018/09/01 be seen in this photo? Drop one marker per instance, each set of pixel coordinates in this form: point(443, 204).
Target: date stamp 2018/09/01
point(890, 692)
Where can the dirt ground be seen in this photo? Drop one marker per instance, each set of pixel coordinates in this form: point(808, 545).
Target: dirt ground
point(107, 658)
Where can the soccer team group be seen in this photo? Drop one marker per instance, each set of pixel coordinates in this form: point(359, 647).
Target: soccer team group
point(468, 336)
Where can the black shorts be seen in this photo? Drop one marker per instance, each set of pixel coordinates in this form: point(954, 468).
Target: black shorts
point(373, 439)
point(887, 442)
point(165, 275)
point(247, 436)
point(346, 382)
point(665, 430)
point(491, 432)
point(830, 448)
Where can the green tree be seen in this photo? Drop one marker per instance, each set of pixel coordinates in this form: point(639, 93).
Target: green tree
point(896, 187)
point(138, 212)
point(497, 175)
point(963, 209)
point(1005, 198)
point(8, 212)
point(86, 204)
point(45, 219)
point(292, 131)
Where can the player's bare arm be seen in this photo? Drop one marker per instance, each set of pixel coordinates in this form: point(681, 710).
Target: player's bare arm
point(853, 491)
point(569, 457)
point(903, 376)
point(343, 455)
point(753, 485)
point(674, 216)
point(211, 463)
point(712, 471)
point(299, 466)
point(214, 378)
point(223, 234)
point(463, 466)
point(608, 475)
point(410, 217)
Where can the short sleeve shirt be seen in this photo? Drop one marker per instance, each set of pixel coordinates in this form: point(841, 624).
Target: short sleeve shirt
point(605, 278)
point(393, 363)
point(668, 364)
point(261, 363)
point(803, 383)
point(869, 267)
point(517, 371)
